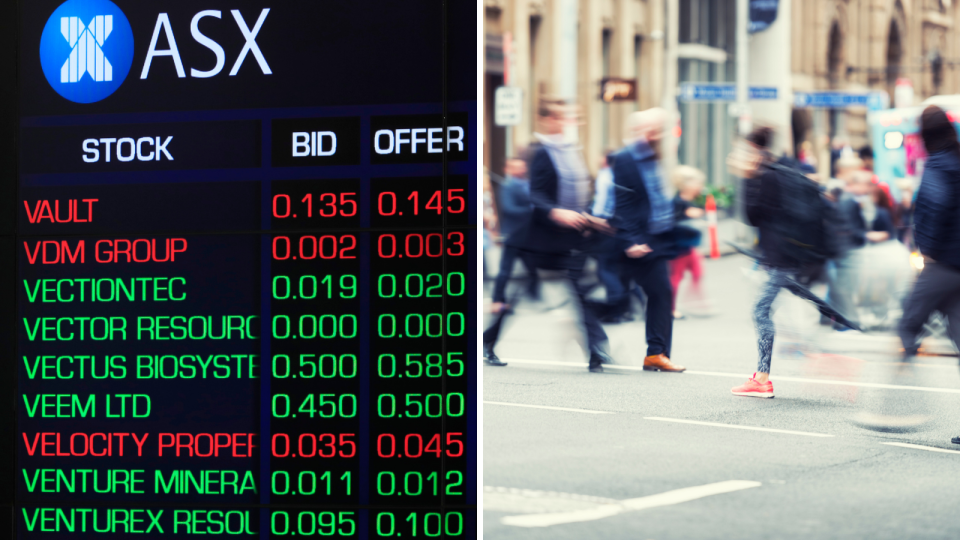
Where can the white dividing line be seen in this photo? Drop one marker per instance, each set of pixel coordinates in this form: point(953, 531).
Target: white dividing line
point(745, 376)
point(587, 411)
point(676, 496)
point(919, 447)
point(734, 426)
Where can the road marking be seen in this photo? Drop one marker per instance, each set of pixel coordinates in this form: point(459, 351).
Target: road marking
point(587, 411)
point(668, 498)
point(919, 447)
point(734, 426)
point(746, 376)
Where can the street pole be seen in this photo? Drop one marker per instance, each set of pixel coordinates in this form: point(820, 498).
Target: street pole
point(669, 102)
point(565, 59)
point(743, 108)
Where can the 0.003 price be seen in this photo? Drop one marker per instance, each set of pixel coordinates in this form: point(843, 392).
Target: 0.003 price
point(413, 483)
point(416, 245)
point(324, 445)
point(431, 524)
point(317, 405)
point(418, 285)
point(306, 483)
point(413, 445)
point(431, 366)
point(306, 523)
point(421, 405)
point(326, 366)
point(308, 287)
point(417, 325)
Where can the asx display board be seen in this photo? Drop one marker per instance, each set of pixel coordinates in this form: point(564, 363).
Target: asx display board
point(241, 288)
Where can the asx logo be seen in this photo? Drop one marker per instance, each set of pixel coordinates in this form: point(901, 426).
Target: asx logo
point(86, 49)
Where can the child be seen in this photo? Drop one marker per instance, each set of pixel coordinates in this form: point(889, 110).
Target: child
point(689, 182)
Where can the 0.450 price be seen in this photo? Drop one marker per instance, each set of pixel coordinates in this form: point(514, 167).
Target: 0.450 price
point(317, 406)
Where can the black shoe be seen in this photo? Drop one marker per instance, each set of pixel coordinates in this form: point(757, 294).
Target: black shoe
point(955, 440)
point(490, 358)
point(597, 359)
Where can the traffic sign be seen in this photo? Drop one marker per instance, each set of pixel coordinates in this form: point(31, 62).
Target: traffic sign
point(508, 106)
point(840, 100)
point(723, 92)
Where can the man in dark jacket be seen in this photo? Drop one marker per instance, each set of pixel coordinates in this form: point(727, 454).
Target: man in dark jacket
point(936, 221)
point(514, 210)
point(557, 236)
point(645, 227)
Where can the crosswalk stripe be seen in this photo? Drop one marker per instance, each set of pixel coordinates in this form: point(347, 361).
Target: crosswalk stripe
point(735, 426)
point(568, 409)
point(920, 447)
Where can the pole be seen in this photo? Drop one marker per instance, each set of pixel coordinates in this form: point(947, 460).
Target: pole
point(565, 59)
point(743, 108)
point(507, 72)
point(669, 103)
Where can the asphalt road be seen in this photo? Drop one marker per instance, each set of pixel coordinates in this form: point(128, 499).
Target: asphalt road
point(645, 455)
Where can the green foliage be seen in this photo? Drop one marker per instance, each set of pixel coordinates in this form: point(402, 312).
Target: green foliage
point(723, 195)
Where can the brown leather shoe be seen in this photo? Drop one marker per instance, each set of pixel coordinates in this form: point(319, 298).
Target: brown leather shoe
point(660, 362)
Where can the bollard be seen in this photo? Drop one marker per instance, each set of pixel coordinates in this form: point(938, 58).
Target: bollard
point(712, 223)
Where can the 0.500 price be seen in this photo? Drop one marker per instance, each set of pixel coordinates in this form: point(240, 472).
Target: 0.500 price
point(325, 366)
point(420, 405)
point(431, 366)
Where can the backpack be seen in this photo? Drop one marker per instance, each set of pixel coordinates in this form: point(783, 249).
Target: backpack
point(803, 219)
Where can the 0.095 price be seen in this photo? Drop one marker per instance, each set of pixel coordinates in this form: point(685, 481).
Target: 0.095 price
point(307, 523)
point(418, 366)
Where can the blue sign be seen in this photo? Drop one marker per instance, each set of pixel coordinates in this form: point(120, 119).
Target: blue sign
point(838, 100)
point(762, 14)
point(723, 92)
point(86, 49)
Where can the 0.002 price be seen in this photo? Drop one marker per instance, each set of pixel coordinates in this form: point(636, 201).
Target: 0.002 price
point(413, 483)
point(306, 483)
point(315, 405)
point(387, 365)
point(417, 405)
point(431, 524)
point(307, 523)
point(326, 366)
point(324, 445)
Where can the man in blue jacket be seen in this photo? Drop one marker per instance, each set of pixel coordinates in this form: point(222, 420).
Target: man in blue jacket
point(645, 227)
point(514, 211)
point(937, 232)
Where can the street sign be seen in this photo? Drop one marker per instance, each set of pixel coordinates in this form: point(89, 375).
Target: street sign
point(723, 92)
point(614, 89)
point(508, 106)
point(840, 100)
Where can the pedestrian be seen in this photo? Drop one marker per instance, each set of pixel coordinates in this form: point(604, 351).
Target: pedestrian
point(689, 182)
point(764, 186)
point(558, 234)
point(514, 211)
point(645, 228)
point(609, 270)
point(936, 219)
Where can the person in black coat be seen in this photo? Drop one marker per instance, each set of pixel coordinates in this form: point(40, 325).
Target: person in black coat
point(936, 220)
point(558, 234)
point(645, 228)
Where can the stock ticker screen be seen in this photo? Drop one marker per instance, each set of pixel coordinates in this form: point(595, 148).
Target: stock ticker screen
point(239, 267)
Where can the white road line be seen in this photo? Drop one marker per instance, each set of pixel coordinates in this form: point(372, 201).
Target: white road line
point(734, 426)
point(745, 376)
point(919, 447)
point(587, 411)
point(676, 496)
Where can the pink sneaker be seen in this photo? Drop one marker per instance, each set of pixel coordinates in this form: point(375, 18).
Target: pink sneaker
point(753, 388)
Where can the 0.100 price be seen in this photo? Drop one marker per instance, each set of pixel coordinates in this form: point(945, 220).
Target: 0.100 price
point(430, 367)
point(421, 405)
point(431, 524)
point(317, 405)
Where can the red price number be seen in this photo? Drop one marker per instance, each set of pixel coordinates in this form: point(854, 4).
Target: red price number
point(415, 445)
point(324, 205)
point(416, 245)
point(315, 247)
point(308, 445)
point(387, 204)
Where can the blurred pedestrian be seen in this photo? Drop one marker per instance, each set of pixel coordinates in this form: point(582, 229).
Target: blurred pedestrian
point(936, 220)
point(557, 235)
point(689, 182)
point(866, 157)
point(644, 222)
point(514, 211)
point(609, 270)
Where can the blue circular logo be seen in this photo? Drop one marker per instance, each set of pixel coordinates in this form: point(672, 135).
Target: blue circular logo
point(86, 49)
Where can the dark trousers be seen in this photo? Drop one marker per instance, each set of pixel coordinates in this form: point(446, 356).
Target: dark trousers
point(653, 277)
point(937, 289)
point(508, 259)
point(572, 266)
